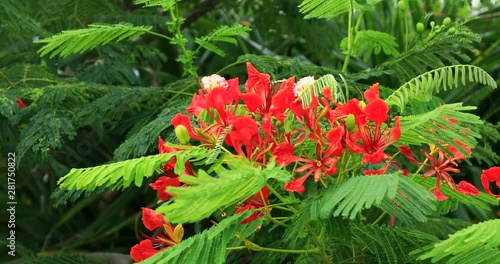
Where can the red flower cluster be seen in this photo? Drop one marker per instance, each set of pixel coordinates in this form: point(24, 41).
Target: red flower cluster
point(256, 128)
point(166, 237)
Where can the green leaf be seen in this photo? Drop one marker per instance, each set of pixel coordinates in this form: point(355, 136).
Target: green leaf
point(395, 194)
point(371, 41)
point(352, 196)
point(485, 235)
point(324, 8)
point(222, 34)
point(116, 175)
point(390, 244)
point(235, 180)
point(81, 40)
point(436, 127)
point(449, 77)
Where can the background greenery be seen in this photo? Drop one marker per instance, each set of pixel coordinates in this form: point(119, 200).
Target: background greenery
point(111, 103)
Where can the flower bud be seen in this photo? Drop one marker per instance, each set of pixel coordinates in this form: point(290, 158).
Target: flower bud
point(452, 30)
point(447, 21)
point(350, 122)
point(432, 24)
point(420, 27)
point(182, 134)
point(402, 6)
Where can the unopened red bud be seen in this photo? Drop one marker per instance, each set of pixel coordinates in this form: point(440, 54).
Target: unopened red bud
point(350, 122)
point(182, 134)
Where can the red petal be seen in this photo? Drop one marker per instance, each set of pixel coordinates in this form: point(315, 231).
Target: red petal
point(197, 105)
point(257, 82)
point(253, 101)
point(296, 185)
point(408, 153)
point(20, 103)
point(467, 188)
point(283, 153)
point(374, 158)
point(372, 93)
point(377, 111)
point(152, 219)
point(439, 196)
point(161, 185)
point(143, 250)
point(490, 175)
point(218, 98)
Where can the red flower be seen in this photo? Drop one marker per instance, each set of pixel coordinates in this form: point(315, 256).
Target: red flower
point(161, 184)
point(20, 103)
point(491, 175)
point(324, 163)
point(259, 201)
point(439, 164)
point(152, 245)
point(369, 140)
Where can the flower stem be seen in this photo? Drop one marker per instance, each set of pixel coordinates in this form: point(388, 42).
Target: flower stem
point(349, 39)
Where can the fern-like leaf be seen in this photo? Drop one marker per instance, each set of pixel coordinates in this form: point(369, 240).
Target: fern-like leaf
point(324, 8)
point(425, 85)
point(209, 247)
point(205, 194)
point(436, 127)
point(361, 192)
point(390, 244)
point(370, 42)
point(81, 40)
point(165, 4)
point(483, 235)
point(116, 175)
point(412, 204)
point(221, 34)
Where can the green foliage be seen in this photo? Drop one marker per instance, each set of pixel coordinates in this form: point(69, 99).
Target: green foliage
point(425, 85)
point(205, 248)
point(368, 42)
point(117, 175)
point(482, 236)
point(436, 127)
point(164, 4)
point(139, 141)
point(324, 9)
point(206, 193)
point(81, 40)
point(362, 192)
point(437, 50)
point(411, 205)
point(484, 153)
point(221, 34)
point(390, 244)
